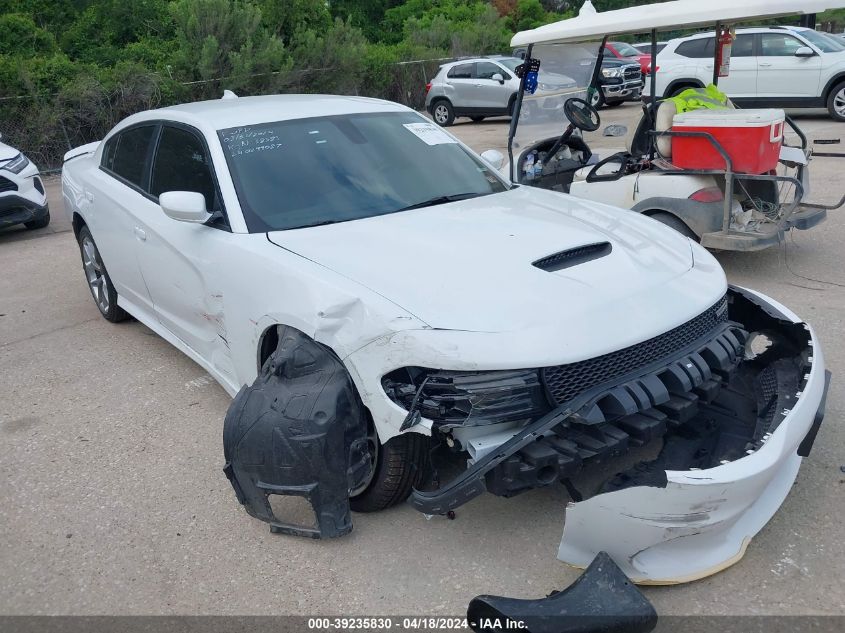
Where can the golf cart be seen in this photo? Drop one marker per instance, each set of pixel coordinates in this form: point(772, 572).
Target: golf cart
point(724, 177)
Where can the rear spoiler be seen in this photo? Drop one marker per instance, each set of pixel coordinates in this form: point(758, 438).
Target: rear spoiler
point(88, 148)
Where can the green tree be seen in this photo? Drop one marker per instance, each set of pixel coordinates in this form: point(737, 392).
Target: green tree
point(20, 36)
point(330, 62)
point(225, 39)
point(287, 17)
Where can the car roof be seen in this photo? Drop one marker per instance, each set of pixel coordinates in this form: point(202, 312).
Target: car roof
point(749, 29)
point(221, 114)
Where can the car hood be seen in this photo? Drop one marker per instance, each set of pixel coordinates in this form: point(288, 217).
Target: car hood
point(468, 265)
point(7, 152)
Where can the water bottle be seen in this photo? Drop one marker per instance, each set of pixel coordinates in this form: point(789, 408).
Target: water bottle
point(528, 166)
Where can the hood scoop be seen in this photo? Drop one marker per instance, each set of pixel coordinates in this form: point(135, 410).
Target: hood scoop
point(573, 257)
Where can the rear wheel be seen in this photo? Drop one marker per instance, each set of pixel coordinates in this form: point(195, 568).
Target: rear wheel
point(399, 466)
point(679, 89)
point(674, 222)
point(99, 282)
point(443, 113)
point(836, 102)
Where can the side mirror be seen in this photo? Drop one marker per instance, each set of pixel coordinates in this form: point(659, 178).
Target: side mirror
point(184, 206)
point(804, 51)
point(498, 77)
point(494, 157)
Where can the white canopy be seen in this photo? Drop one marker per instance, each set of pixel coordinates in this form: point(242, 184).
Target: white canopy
point(679, 14)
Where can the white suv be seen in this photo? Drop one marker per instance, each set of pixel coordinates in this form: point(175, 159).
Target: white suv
point(788, 67)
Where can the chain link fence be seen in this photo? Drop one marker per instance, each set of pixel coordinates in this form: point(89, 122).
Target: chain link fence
point(45, 126)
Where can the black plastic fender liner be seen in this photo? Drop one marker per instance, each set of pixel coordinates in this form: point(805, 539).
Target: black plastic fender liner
point(300, 429)
point(601, 600)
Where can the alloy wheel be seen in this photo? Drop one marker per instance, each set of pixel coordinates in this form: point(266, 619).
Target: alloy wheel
point(373, 446)
point(839, 103)
point(441, 114)
point(95, 274)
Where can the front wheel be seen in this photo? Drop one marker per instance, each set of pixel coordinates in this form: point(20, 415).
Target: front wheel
point(443, 113)
point(38, 224)
point(399, 467)
point(614, 104)
point(99, 282)
point(836, 102)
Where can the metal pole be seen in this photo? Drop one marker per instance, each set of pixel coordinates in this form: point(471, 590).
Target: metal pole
point(517, 108)
point(716, 54)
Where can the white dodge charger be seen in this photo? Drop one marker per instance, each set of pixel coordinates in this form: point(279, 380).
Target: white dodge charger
point(397, 319)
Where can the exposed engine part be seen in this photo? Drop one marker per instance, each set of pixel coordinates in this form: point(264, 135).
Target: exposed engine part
point(601, 600)
point(693, 386)
point(298, 430)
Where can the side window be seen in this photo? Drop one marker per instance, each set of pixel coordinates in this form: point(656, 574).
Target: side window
point(779, 45)
point(486, 70)
point(182, 164)
point(463, 71)
point(743, 46)
point(128, 155)
point(698, 48)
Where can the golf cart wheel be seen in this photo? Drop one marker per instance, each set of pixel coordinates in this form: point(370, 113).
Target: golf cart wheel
point(443, 113)
point(399, 466)
point(597, 99)
point(99, 282)
point(674, 222)
point(836, 102)
point(38, 224)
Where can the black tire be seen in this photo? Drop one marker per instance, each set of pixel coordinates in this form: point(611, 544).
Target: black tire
point(400, 466)
point(38, 224)
point(674, 222)
point(836, 102)
point(476, 119)
point(443, 113)
point(101, 286)
point(597, 99)
point(613, 104)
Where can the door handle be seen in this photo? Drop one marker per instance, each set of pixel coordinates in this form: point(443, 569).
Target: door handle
point(765, 64)
point(140, 233)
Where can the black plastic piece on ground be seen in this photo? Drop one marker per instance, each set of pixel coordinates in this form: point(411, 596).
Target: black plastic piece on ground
point(298, 430)
point(601, 600)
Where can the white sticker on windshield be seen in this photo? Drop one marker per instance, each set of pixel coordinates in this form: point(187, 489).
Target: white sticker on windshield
point(429, 133)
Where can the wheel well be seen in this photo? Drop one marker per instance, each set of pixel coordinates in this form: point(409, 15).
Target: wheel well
point(437, 100)
point(267, 344)
point(681, 83)
point(833, 83)
point(77, 223)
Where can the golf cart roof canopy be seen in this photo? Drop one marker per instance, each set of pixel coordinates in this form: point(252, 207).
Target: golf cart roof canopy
point(592, 25)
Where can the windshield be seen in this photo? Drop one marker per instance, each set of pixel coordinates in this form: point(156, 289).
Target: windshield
point(626, 50)
point(510, 62)
point(823, 41)
point(541, 116)
point(321, 170)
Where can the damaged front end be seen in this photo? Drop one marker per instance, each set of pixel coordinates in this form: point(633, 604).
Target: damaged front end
point(734, 395)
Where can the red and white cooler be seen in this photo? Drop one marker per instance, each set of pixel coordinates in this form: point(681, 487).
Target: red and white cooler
point(752, 139)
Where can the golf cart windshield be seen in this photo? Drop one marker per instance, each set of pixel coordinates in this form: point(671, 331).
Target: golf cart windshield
point(566, 71)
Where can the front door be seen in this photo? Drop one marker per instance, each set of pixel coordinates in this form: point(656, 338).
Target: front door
point(781, 73)
point(179, 260)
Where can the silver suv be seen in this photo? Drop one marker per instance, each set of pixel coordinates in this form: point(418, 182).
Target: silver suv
point(478, 88)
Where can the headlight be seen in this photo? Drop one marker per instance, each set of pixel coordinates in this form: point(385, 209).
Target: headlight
point(611, 72)
point(17, 164)
point(464, 398)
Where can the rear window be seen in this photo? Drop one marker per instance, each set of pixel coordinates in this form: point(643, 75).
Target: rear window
point(125, 155)
point(462, 71)
point(698, 48)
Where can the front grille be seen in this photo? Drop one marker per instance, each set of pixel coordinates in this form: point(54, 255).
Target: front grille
point(632, 73)
point(7, 185)
point(564, 382)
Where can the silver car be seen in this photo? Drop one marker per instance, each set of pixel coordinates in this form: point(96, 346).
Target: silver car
point(478, 88)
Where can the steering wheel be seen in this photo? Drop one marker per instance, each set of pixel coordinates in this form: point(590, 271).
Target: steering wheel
point(582, 115)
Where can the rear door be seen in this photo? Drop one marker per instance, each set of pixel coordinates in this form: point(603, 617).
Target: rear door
point(489, 93)
point(781, 73)
point(461, 85)
point(115, 194)
point(742, 79)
